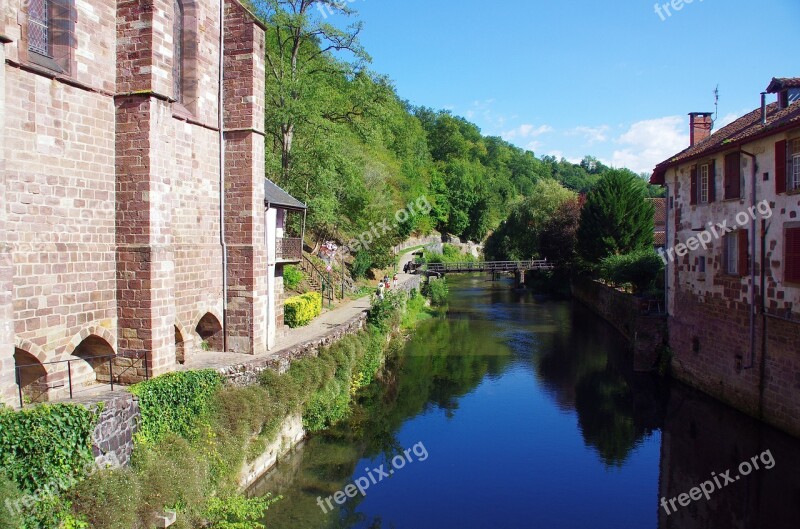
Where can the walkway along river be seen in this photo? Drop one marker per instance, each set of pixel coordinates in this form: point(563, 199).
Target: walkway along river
point(510, 413)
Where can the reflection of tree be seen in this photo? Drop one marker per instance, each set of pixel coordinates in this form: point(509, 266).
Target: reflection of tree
point(587, 367)
point(445, 360)
point(605, 415)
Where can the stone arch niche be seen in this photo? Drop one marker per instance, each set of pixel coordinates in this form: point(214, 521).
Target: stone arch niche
point(209, 329)
point(180, 347)
point(95, 352)
point(31, 376)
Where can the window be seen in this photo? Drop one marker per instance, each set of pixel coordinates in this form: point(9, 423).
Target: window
point(49, 35)
point(39, 27)
point(732, 254)
point(701, 267)
point(736, 256)
point(704, 184)
point(177, 50)
point(733, 176)
point(184, 56)
point(792, 255)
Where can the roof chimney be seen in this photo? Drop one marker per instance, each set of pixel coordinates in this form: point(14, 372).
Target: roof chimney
point(763, 108)
point(700, 124)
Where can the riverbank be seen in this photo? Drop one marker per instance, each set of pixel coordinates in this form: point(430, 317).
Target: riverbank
point(195, 425)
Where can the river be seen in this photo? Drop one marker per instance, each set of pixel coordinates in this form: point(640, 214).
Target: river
point(515, 412)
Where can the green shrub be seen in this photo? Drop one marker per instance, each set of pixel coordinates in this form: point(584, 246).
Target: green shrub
point(46, 447)
point(175, 403)
point(361, 264)
point(386, 314)
point(300, 310)
point(437, 291)
point(237, 512)
point(108, 499)
point(10, 496)
point(640, 269)
point(292, 277)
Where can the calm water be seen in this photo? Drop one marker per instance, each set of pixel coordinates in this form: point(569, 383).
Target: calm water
point(524, 414)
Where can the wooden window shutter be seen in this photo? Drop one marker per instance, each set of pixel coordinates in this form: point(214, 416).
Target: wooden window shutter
point(733, 175)
point(791, 255)
point(693, 187)
point(781, 166)
point(744, 254)
point(712, 181)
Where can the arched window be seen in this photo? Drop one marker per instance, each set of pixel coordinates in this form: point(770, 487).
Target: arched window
point(50, 34)
point(177, 54)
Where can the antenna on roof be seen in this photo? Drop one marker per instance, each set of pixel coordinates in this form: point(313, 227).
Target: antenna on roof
point(716, 107)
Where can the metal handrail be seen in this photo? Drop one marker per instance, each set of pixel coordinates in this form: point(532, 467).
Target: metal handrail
point(110, 359)
point(325, 284)
point(485, 266)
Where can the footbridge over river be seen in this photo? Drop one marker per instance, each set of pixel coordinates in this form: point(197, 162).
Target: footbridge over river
point(518, 268)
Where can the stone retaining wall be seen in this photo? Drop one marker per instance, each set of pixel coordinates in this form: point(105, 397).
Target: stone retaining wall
point(630, 315)
point(112, 441)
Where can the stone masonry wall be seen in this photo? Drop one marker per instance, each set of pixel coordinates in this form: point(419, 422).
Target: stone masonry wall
point(710, 338)
point(7, 375)
point(629, 315)
point(112, 440)
point(59, 193)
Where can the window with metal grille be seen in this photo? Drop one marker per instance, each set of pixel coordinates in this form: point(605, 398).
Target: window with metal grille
point(39, 27)
point(177, 54)
point(704, 184)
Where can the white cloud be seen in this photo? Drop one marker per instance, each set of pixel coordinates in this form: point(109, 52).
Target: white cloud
point(647, 143)
point(591, 134)
point(526, 131)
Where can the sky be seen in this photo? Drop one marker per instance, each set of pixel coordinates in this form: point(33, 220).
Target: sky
point(569, 78)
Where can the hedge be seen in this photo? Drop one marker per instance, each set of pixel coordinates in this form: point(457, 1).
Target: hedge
point(300, 310)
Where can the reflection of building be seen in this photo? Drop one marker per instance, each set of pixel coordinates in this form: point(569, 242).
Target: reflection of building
point(734, 297)
point(133, 230)
point(702, 436)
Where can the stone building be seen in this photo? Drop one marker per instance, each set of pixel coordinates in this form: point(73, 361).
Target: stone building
point(733, 257)
point(133, 230)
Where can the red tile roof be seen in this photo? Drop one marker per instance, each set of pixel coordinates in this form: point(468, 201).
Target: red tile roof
point(743, 130)
point(660, 204)
point(782, 83)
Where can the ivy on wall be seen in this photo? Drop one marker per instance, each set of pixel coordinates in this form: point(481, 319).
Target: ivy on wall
point(46, 445)
point(175, 403)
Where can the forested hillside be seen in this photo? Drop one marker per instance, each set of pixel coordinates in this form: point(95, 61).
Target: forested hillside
point(342, 140)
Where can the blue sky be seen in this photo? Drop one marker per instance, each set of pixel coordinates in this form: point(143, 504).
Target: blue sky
point(570, 78)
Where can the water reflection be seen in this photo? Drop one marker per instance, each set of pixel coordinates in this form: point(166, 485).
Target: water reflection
point(702, 436)
point(557, 429)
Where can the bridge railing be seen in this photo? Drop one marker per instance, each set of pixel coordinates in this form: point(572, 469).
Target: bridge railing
point(485, 266)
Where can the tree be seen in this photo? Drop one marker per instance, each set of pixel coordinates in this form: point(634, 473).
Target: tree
point(616, 219)
point(299, 49)
point(519, 237)
point(559, 239)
